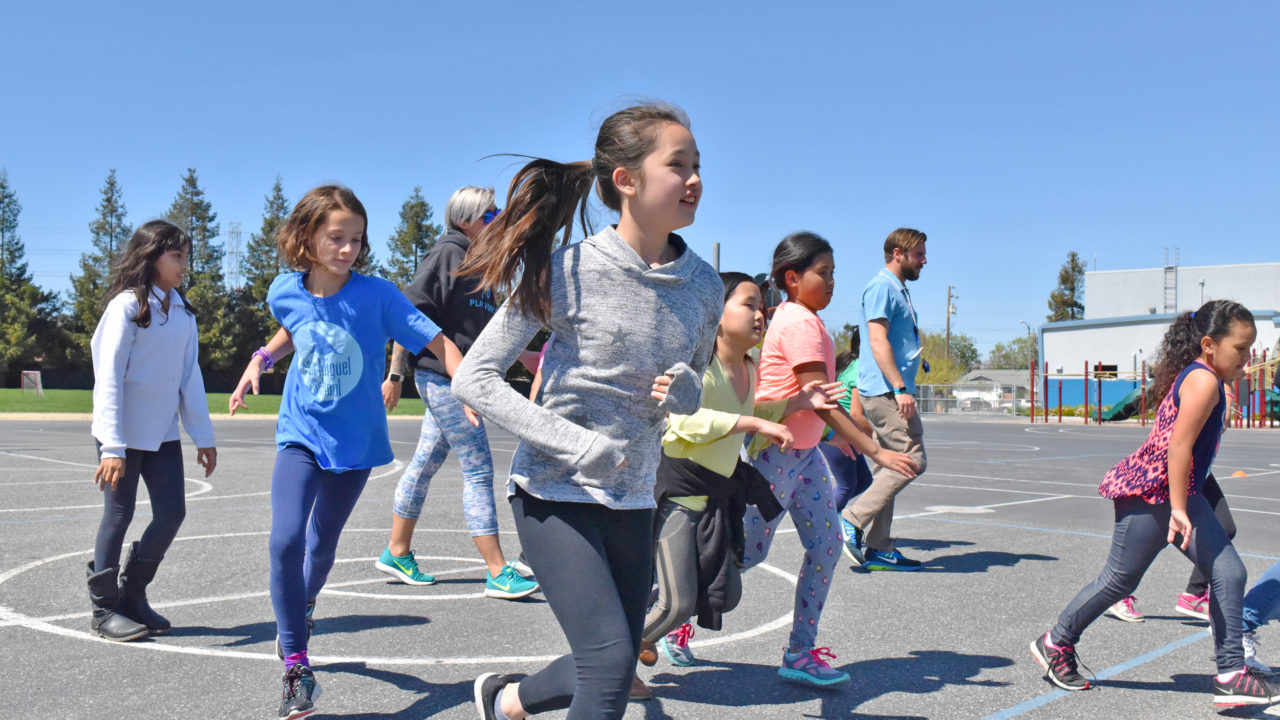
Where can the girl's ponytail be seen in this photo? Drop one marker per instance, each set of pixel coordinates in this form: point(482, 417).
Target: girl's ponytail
point(541, 202)
point(1181, 343)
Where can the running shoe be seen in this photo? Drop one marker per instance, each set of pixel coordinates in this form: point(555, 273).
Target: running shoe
point(1059, 663)
point(675, 645)
point(508, 585)
point(403, 568)
point(523, 569)
point(811, 666)
point(892, 560)
point(1196, 606)
point(852, 536)
point(1250, 640)
point(311, 623)
point(1126, 611)
point(486, 690)
point(1246, 687)
point(298, 699)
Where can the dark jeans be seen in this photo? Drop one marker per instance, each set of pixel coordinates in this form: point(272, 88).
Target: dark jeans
point(1198, 582)
point(596, 567)
point(161, 470)
point(1141, 532)
point(309, 507)
point(851, 476)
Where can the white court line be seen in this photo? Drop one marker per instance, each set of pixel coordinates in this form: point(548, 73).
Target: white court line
point(986, 507)
point(1072, 484)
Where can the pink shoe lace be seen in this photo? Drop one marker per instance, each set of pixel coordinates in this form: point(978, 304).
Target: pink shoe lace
point(818, 655)
point(1128, 605)
point(680, 636)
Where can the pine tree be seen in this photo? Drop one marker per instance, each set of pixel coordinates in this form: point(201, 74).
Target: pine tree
point(206, 285)
point(109, 232)
point(29, 331)
point(414, 236)
point(1066, 302)
point(260, 265)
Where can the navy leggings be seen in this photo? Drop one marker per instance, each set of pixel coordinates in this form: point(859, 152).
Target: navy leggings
point(596, 567)
point(161, 470)
point(1141, 532)
point(851, 476)
point(309, 506)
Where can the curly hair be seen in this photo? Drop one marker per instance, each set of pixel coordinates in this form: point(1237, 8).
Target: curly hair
point(1181, 344)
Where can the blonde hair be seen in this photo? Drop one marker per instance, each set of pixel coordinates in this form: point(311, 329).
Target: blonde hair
point(902, 239)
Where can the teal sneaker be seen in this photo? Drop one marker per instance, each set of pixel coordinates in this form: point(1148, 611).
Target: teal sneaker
point(403, 568)
point(509, 585)
point(811, 667)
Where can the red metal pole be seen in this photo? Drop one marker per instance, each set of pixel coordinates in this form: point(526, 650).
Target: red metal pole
point(1144, 393)
point(1031, 390)
point(1086, 392)
point(1059, 401)
point(1045, 395)
point(1239, 420)
point(1099, 378)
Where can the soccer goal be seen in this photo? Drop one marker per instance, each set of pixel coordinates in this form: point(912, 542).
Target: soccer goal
point(32, 382)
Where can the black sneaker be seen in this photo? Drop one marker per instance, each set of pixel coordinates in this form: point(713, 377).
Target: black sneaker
point(486, 690)
point(311, 608)
point(1059, 664)
point(298, 699)
point(892, 560)
point(1245, 688)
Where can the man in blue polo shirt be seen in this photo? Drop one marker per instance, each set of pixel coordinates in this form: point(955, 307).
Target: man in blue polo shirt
point(890, 352)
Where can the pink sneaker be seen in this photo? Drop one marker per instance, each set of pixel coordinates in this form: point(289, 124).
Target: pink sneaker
point(1196, 606)
point(1126, 611)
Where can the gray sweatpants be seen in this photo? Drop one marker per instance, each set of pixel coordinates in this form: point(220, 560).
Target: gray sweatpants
point(1141, 532)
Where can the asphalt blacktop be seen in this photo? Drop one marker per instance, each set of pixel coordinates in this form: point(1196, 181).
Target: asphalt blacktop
point(1007, 522)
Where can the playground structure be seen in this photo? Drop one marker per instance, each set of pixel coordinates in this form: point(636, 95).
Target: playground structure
point(1105, 394)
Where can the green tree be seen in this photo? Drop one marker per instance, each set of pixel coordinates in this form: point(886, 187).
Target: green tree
point(206, 284)
point(1066, 302)
point(414, 236)
point(109, 232)
point(946, 369)
point(1013, 355)
point(29, 330)
point(260, 265)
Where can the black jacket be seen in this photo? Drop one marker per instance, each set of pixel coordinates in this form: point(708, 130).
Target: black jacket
point(451, 302)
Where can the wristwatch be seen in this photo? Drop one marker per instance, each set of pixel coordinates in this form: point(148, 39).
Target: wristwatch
point(900, 390)
point(395, 377)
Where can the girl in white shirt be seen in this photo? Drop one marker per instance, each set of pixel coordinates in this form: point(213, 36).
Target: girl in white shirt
point(145, 376)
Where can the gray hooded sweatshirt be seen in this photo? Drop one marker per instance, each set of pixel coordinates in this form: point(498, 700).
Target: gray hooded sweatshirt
point(617, 324)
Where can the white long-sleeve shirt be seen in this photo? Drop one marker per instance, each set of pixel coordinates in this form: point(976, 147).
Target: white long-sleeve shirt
point(145, 378)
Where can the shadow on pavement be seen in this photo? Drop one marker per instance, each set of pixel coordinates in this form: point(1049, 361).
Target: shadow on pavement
point(436, 697)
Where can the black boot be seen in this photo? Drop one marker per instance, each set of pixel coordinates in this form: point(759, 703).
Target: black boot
point(134, 578)
point(104, 594)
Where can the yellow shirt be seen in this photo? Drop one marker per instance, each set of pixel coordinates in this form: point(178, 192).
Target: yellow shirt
point(704, 437)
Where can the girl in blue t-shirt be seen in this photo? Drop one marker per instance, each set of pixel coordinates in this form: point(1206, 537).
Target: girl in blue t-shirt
point(332, 428)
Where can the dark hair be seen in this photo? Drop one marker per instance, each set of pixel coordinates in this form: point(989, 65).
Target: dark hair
point(135, 269)
point(732, 280)
point(543, 198)
point(902, 239)
point(294, 240)
point(797, 251)
point(848, 356)
point(1181, 344)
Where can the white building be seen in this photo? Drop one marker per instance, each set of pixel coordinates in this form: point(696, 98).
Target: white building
point(1128, 311)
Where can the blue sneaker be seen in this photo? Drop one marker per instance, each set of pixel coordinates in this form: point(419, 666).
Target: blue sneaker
point(811, 667)
point(675, 645)
point(403, 568)
point(508, 585)
point(892, 560)
point(852, 535)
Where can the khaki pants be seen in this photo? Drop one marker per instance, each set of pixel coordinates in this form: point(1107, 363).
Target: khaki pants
point(873, 510)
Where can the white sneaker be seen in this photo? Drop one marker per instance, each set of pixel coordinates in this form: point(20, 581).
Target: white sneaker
point(1251, 653)
point(1126, 611)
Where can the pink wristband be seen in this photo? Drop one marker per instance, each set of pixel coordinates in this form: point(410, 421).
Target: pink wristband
point(268, 360)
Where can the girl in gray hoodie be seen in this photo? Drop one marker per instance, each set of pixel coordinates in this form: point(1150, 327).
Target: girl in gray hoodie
point(634, 314)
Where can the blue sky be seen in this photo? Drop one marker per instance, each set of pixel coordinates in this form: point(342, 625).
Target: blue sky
point(1010, 132)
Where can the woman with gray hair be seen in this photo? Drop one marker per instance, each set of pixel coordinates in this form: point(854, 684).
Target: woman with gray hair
point(461, 310)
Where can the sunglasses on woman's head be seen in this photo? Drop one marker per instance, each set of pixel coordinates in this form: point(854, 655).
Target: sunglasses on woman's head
point(490, 215)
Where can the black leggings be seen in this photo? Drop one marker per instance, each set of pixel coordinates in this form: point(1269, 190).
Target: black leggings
point(596, 567)
point(1198, 583)
point(161, 470)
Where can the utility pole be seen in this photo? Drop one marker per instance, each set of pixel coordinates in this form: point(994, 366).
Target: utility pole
point(951, 310)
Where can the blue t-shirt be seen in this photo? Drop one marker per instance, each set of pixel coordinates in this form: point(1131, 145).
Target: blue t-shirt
point(886, 298)
point(332, 402)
